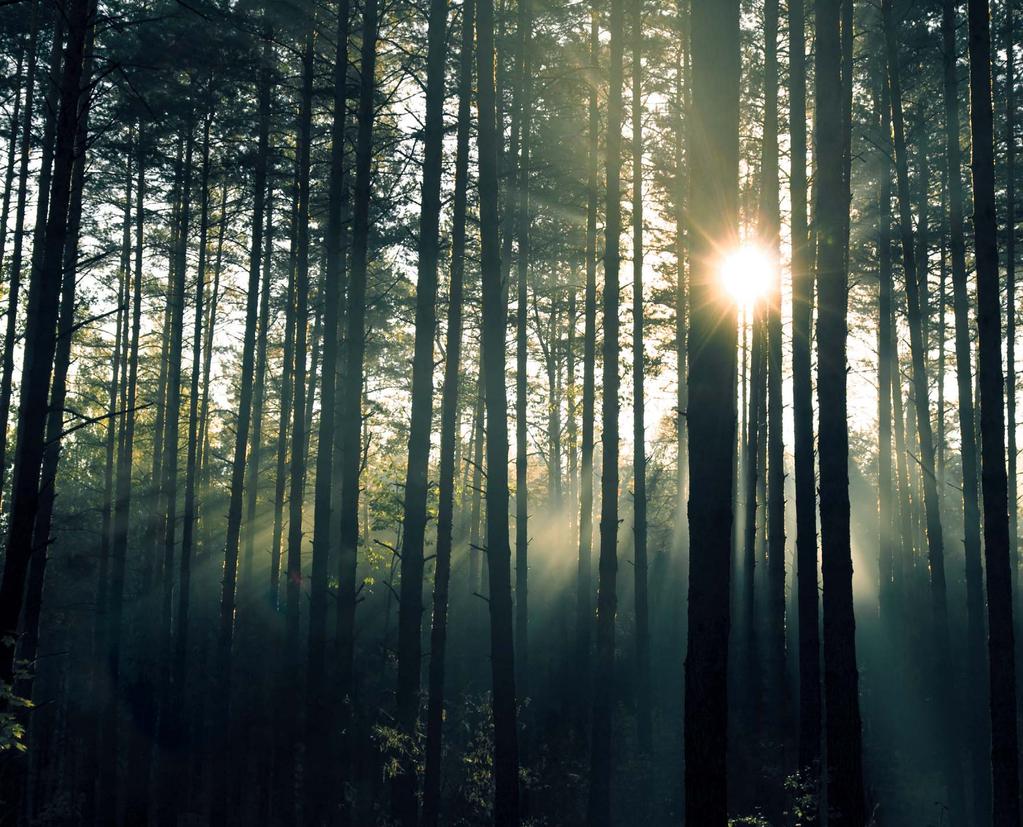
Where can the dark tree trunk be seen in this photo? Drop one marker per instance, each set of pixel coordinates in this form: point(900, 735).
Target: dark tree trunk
point(713, 147)
point(169, 729)
point(502, 653)
point(886, 350)
point(107, 771)
point(1001, 647)
point(317, 758)
point(802, 406)
point(846, 800)
point(28, 643)
point(979, 763)
point(599, 808)
point(584, 588)
point(523, 92)
point(643, 711)
point(40, 341)
point(448, 434)
point(287, 394)
point(410, 609)
point(770, 230)
point(351, 409)
point(43, 177)
point(292, 654)
point(946, 703)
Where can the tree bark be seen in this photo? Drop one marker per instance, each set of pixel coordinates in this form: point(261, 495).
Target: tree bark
point(448, 434)
point(410, 608)
point(643, 711)
point(1001, 647)
point(599, 806)
point(351, 410)
point(523, 92)
point(946, 703)
point(802, 405)
point(584, 587)
point(846, 800)
point(979, 762)
point(40, 342)
point(502, 654)
point(43, 185)
point(713, 147)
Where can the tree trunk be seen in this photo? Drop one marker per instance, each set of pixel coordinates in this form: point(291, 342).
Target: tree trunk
point(40, 342)
point(107, 772)
point(946, 703)
point(21, 84)
point(770, 230)
point(523, 92)
point(599, 807)
point(502, 653)
point(1010, 303)
point(448, 435)
point(43, 185)
point(802, 405)
point(846, 800)
point(318, 709)
point(1001, 647)
point(286, 400)
point(584, 588)
point(979, 761)
point(410, 608)
point(643, 711)
point(292, 654)
point(351, 410)
point(713, 146)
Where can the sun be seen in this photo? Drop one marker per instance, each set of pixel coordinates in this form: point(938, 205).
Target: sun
point(747, 274)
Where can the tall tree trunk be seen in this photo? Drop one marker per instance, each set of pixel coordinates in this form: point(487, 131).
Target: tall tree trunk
point(179, 746)
point(169, 728)
point(599, 807)
point(643, 711)
point(26, 85)
point(108, 742)
point(351, 410)
point(1001, 647)
point(28, 643)
point(40, 341)
point(43, 186)
point(713, 147)
point(584, 588)
point(886, 349)
point(802, 405)
point(979, 761)
point(410, 609)
point(287, 394)
point(252, 484)
point(292, 653)
point(317, 758)
point(1010, 294)
point(935, 541)
point(225, 635)
point(448, 434)
point(203, 464)
point(770, 230)
point(502, 654)
point(523, 92)
point(846, 800)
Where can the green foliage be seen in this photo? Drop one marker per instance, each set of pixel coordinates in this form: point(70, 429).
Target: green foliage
point(12, 730)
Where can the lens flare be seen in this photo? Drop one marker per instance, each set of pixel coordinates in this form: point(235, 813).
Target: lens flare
point(747, 274)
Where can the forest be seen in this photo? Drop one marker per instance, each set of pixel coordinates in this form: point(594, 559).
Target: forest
point(464, 412)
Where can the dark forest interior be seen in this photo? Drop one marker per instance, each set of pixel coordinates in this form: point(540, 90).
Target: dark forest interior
point(463, 412)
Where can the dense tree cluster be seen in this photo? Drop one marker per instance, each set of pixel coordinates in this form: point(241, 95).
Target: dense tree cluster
point(428, 412)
